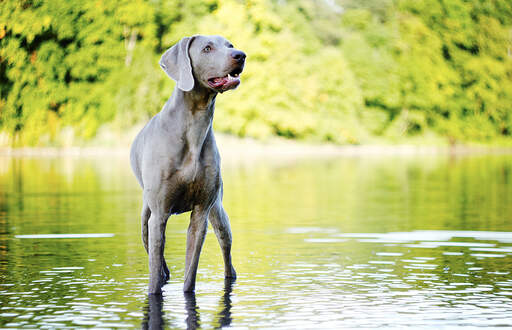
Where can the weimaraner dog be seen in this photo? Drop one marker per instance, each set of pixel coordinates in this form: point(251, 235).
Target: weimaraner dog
point(175, 156)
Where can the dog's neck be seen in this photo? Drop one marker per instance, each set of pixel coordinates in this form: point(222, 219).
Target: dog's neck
point(199, 99)
point(195, 109)
point(199, 102)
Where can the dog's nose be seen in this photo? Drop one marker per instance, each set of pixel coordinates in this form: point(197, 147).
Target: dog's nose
point(238, 56)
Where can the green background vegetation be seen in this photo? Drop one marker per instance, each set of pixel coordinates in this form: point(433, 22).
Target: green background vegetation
point(347, 71)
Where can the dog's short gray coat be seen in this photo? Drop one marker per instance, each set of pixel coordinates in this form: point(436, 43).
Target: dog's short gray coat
point(175, 157)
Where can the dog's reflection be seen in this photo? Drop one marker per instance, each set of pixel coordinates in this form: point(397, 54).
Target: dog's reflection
point(192, 310)
point(153, 311)
point(225, 314)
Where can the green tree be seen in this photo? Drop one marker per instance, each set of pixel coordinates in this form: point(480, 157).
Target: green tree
point(344, 71)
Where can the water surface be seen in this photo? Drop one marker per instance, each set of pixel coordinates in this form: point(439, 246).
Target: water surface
point(365, 241)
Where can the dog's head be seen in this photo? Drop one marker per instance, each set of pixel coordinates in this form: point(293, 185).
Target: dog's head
point(211, 61)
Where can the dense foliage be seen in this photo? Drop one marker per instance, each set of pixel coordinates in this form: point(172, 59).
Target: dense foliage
point(347, 71)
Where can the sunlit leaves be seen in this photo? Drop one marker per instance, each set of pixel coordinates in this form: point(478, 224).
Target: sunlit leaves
point(343, 71)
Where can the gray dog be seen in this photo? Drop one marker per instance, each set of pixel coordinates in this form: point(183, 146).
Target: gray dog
point(175, 157)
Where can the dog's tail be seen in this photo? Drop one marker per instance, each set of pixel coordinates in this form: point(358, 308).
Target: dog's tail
point(145, 214)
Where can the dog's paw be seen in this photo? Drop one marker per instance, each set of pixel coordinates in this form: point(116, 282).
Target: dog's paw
point(231, 273)
point(166, 275)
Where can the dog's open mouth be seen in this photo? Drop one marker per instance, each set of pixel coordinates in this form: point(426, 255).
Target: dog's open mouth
point(229, 81)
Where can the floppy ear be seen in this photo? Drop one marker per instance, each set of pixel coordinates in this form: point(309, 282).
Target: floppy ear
point(176, 63)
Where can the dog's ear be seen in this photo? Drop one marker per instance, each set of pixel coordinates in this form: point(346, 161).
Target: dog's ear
point(176, 63)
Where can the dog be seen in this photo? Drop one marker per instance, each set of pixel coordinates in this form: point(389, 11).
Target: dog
point(175, 157)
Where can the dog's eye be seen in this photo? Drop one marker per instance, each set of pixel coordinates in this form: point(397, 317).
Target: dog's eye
point(207, 49)
point(231, 46)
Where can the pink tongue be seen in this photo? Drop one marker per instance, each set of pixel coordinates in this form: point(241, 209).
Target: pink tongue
point(219, 81)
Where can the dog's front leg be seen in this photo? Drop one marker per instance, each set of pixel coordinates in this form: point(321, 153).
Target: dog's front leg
point(195, 238)
point(156, 252)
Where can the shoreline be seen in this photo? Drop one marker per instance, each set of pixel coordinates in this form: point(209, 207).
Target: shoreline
point(234, 148)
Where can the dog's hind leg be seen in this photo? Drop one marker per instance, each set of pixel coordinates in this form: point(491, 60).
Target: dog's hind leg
point(220, 223)
point(146, 214)
point(156, 244)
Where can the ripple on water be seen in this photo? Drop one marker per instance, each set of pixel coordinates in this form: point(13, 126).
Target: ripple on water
point(424, 271)
point(421, 278)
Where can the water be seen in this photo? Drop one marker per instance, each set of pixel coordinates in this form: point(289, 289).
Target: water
point(349, 242)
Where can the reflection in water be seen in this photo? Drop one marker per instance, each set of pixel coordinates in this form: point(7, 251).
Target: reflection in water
point(225, 302)
point(153, 313)
point(193, 320)
point(192, 310)
point(354, 242)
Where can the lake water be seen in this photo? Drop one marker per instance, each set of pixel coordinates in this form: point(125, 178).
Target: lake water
point(363, 241)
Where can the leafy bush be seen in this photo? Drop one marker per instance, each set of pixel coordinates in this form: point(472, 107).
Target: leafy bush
point(347, 71)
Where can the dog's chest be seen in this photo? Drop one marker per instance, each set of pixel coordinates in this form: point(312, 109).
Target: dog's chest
point(196, 182)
